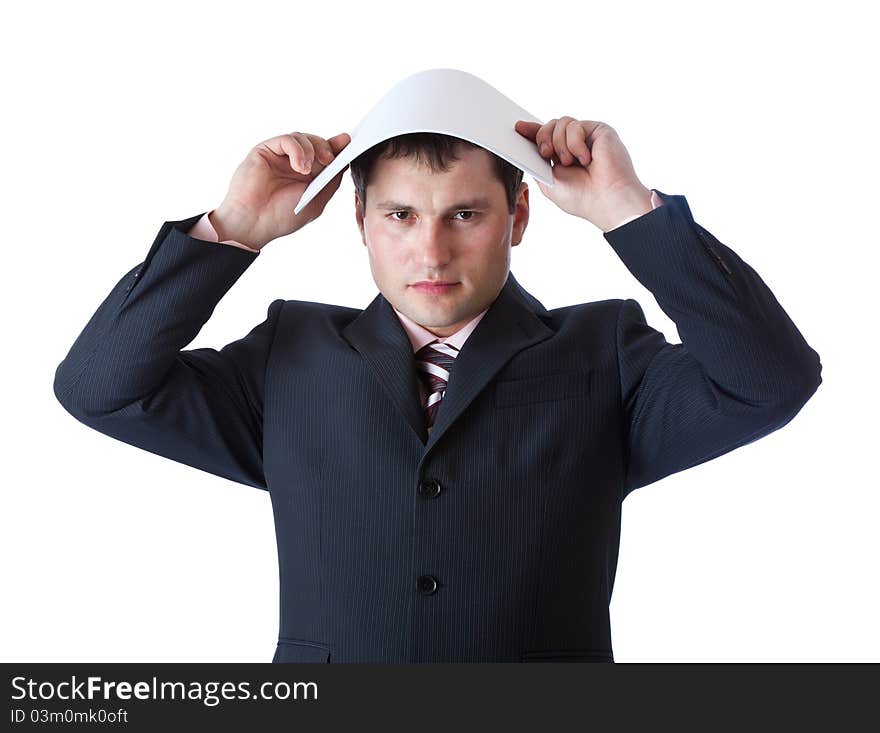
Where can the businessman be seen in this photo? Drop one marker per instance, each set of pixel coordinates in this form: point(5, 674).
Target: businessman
point(446, 466)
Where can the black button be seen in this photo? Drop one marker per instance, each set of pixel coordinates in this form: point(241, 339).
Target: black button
point(427, 584)
point(429, 488)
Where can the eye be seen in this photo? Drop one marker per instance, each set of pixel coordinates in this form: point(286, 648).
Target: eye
point(470, 217)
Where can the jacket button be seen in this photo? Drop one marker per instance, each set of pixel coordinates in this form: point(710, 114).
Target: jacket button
point(427, 584)
point(429, 488)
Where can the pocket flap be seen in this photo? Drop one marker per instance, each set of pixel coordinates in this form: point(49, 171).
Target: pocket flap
point(300, 650)
point(567, 655)
point(544, 388)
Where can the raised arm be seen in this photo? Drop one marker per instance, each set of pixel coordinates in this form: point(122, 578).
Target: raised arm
point(742, 371)
point(127, 375)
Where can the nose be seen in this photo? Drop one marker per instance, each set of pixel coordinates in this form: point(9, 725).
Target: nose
point(433, 250)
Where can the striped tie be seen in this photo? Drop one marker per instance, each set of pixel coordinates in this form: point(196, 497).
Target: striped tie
point(434, 362)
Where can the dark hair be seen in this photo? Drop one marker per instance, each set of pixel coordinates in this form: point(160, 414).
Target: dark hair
point(438, 150)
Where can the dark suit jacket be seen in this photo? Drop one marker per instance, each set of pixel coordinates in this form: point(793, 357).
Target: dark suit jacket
point(497, 538)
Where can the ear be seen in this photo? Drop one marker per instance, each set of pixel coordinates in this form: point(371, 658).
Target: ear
point(520, 214)
point(359, 218)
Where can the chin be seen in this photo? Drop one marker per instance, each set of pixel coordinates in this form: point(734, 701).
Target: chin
point(431, 318)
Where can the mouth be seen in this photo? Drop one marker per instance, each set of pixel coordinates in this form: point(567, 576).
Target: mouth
point(436, 287)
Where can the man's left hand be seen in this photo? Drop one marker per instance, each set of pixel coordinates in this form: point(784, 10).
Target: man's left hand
point(593, 174)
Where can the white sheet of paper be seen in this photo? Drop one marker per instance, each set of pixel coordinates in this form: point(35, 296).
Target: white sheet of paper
point(448, 101)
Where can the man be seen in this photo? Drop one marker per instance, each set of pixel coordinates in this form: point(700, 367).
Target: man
point(457, 500)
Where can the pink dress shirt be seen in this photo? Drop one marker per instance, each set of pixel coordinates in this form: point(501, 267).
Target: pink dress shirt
point(204, 229)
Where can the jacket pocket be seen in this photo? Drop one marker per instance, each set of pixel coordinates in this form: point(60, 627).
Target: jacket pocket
point(300, 651)
point(567, 655)
point(546, 388)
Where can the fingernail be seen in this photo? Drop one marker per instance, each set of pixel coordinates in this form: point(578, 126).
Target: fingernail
point(545, 148)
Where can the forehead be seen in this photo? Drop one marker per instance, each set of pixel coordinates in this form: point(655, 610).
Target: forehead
point(408, 180)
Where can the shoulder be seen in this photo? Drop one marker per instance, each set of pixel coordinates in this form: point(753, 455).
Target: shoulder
point(602, 310)
point(311, 311)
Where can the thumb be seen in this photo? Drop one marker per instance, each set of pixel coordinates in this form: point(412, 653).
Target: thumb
point(527, 128)
point(338, 142)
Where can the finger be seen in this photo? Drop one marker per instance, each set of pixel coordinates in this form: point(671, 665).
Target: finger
point(562, 152)
point(299, 158)
point(292, 146)
point(576, 139)
point(340, 141)
point(592, 128)
point(308, 150)
point(323, 151)
point(543, 138)
point(287, 145)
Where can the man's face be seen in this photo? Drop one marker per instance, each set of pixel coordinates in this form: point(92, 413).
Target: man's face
point(451, 227)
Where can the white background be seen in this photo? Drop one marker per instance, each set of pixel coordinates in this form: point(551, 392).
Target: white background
point(119, 118)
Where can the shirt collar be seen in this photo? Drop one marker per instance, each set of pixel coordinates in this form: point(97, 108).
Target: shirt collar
point(419, 336)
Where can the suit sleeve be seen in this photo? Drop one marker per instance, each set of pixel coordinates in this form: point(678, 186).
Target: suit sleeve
point(128, 377)
point(742, 371)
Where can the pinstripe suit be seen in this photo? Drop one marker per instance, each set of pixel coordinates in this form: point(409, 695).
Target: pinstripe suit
point(496, 537)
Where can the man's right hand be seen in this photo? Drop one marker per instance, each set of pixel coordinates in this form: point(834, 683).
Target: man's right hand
point(268, 184)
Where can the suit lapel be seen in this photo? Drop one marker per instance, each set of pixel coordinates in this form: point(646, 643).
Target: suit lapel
point(379, 336)
point(510, 325)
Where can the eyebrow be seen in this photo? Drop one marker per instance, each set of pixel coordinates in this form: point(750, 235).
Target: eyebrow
point(475, 203)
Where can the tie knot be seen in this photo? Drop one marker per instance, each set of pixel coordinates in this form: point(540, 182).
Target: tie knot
point(441, 355)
